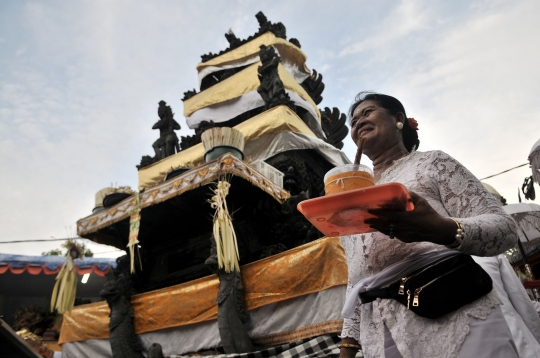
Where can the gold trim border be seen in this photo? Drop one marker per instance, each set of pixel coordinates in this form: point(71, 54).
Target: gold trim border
point(294, 335)
point(203, 175)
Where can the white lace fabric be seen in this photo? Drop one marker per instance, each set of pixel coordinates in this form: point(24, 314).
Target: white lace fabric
point(453, 192)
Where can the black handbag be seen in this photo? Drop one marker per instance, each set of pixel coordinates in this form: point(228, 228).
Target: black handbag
point(439, 288)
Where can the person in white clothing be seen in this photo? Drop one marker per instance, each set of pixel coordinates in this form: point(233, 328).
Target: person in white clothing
point(446, 197)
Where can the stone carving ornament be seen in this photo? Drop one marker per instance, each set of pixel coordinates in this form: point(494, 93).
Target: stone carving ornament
point(334, 126)
point(117, 292)
point(278, 29)
point(232, 313)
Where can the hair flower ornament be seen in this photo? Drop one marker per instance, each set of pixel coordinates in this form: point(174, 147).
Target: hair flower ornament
point(413, 123)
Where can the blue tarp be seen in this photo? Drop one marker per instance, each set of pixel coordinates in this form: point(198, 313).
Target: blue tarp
point(53, 262)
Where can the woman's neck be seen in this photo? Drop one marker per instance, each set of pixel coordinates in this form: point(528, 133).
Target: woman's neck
point(384, 160)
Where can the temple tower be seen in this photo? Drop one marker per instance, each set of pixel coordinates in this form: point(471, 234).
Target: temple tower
point(262, 87)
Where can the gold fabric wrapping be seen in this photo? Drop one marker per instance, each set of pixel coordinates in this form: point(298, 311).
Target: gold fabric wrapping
point(285, 48)
point(306, 269)
point(276, 120)
point(294, 335)
point(241, 83)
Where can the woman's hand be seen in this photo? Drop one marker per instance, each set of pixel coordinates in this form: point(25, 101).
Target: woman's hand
point(421, 224)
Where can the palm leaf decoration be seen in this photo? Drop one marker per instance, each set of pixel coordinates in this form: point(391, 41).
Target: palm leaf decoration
point(226, 244)
point(65, 288)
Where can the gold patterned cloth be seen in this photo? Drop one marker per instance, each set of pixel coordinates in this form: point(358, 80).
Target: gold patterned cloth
point(276, 120)
point(306, 269)
point(226, 164)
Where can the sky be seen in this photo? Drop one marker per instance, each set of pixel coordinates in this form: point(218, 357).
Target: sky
point(80, 83)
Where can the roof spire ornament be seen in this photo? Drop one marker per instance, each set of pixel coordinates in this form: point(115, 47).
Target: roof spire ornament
point(278, 29)
point(233, 40)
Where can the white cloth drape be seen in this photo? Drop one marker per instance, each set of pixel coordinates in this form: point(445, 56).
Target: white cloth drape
point(224, 111)
point(516, 307)
point(269, 145)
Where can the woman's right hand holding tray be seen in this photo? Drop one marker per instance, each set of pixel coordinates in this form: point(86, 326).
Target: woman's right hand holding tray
point(422, 223)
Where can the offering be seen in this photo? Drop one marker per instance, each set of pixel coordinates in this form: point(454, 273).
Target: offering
point(344, 213)
point(348, 177)
point(220, 140)
point(350, 191)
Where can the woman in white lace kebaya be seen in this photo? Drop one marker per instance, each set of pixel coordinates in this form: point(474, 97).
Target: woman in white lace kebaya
point(442, 191)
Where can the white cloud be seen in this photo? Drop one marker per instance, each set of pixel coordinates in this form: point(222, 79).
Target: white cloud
point(470, 83)
point(407, 18)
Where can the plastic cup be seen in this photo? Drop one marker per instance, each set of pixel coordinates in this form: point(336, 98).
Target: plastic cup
point(348, 177)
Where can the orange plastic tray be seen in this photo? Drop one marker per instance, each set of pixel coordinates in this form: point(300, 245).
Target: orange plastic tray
point(344, 213)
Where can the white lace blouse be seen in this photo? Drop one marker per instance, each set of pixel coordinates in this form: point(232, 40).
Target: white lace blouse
point(453, 192)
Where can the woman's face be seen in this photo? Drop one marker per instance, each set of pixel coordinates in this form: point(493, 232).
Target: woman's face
point(377, 126)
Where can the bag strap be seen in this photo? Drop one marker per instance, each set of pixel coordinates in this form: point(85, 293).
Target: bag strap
point(372, 295)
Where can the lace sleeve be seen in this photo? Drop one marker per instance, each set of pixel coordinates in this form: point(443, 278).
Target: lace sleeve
point(351, 326)
point(489, 231)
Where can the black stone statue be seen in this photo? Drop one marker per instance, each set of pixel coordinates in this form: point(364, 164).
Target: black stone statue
point(167, 143)
point(232, 313)
point(271, 88)
point(117, 292)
